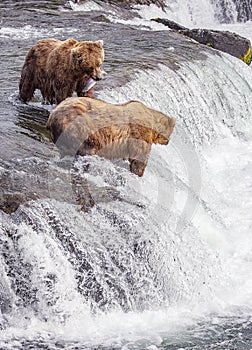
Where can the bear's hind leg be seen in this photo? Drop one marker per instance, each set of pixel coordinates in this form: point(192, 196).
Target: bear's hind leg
point(26, 84)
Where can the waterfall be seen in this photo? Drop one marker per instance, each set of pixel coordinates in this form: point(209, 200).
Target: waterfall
point(209, 12)
point(149, 250)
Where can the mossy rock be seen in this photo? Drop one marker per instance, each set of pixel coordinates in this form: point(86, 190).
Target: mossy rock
point(225, 41)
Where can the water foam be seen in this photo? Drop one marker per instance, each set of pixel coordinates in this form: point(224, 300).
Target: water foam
point(187, 13)
point(29, 32)
point(87, 6)
point(211, 101)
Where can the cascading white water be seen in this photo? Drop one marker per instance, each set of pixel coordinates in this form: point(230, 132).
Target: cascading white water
point(198, 13)
point(189, 13)
point(208, 12)
point(212, 103)
point(225, 11)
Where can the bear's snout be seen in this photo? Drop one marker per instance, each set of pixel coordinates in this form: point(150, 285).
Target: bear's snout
point(97, 78)
point(96, 74)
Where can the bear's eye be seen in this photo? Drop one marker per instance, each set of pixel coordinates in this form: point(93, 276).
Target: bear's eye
point(90, 69)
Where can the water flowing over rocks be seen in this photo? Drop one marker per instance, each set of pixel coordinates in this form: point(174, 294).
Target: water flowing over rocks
point(130, 3)
point(244, 10)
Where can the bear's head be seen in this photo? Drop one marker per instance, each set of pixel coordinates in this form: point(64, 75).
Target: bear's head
point(87, 58)
point(163, 128)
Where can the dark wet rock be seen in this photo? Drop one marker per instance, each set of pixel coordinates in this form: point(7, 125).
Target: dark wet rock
point(225, 41)
point(168, 23)
point(30, 180)
point(9, 202)
point(20, 187)
point(101, 18)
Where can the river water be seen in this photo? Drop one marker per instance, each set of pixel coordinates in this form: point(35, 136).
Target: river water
point(163, 261)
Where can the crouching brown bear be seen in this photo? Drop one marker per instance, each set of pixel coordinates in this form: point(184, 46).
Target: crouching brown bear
point(84, 126)
point(60, 68)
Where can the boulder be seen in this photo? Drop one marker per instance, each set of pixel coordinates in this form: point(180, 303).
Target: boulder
point(225, 41)
point(168, 23)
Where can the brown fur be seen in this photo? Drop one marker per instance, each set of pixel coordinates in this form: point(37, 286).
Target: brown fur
point(60, 68)
point(86, 127)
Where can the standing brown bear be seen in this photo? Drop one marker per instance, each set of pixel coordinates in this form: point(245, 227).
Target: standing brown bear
point(60, 68)
point(85, 126)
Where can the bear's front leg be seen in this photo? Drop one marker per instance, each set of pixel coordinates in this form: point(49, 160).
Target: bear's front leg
point(139, 151)
point(138, 166)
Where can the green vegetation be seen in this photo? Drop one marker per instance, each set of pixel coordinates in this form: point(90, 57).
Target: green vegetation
point(247, 57)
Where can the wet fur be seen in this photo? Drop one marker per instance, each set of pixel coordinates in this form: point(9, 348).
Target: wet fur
point(86, 126)
point(60, 68)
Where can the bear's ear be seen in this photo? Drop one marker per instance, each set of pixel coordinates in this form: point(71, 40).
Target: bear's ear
point(74, 50)
point(99, 43)
point(76, 54)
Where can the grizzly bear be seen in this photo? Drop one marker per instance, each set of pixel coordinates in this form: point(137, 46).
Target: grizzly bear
point(84, 126)
point(60, 68)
